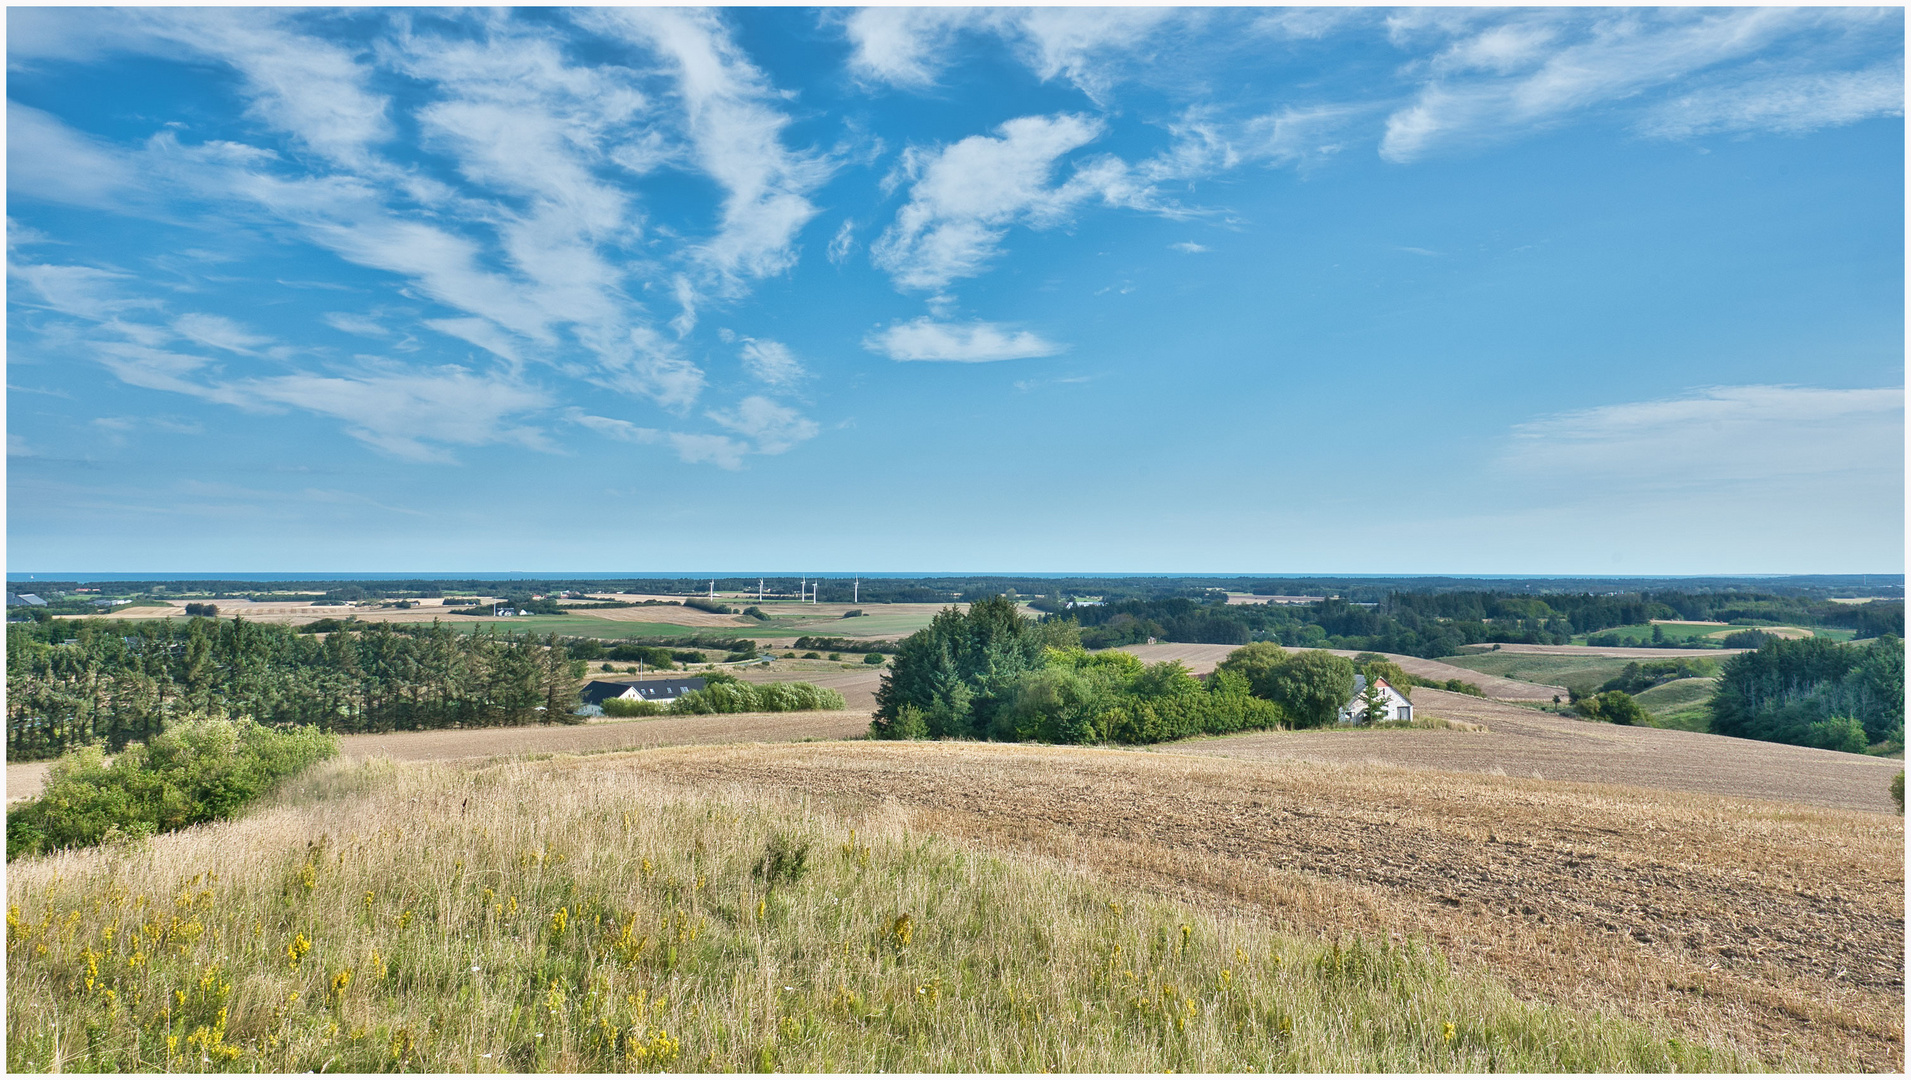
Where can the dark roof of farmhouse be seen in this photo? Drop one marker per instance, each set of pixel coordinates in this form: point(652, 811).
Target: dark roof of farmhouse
point(598, 690)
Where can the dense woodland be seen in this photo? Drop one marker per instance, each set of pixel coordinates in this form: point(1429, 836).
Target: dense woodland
point(71, 683)
point(991, 673)
point(1814, 692)
point(1438, 624)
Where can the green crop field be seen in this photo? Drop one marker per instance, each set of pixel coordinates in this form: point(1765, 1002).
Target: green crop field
point(1546, 669)
point(878, 623)
point(1694, 634)
point(1677, 694)
point(1702, 635)
point(1679, 704)
point(586, 626)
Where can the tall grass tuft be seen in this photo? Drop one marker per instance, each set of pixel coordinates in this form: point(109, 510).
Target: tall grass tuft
point(564, 916)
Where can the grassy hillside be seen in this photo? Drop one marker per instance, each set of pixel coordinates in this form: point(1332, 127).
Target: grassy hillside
point(1679, 703)
point(1542, 668)
point(512, 918)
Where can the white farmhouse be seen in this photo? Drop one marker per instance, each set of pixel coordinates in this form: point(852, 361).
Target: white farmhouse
point(1398, 707)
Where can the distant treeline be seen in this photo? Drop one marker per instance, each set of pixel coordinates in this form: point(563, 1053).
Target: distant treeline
point(72, 683)
point(847, 645)
point(1438, 624)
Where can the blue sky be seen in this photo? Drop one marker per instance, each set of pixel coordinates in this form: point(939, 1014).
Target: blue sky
point(1067, 289)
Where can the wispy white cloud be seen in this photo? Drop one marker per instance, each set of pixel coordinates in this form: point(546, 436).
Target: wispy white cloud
point(735, 132)
point(1513, 78)
point(86, 292)
point(409, 414)
point(1308, 24)
point(965, 196)
point(771, 362)
point(905, 46)
point(218, 332)
point(843, 242)
point(1765, 436)
point(48, 160)
point(1788, 104)
point(772, 427)
point(692, 449)
point(908, 47)
point(1303, 136)
point(1190, 247)
point(361, 325)
point(965, 343)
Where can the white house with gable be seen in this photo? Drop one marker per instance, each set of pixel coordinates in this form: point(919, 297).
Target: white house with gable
point(1398, 707)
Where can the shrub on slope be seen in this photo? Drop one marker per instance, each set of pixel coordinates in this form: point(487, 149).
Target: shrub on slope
point(201, 770)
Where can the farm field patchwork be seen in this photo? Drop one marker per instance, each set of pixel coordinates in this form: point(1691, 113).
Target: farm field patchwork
point(1202, 659)
point(787, 620)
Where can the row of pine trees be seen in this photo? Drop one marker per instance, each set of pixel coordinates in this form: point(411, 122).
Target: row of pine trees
point(71, 684)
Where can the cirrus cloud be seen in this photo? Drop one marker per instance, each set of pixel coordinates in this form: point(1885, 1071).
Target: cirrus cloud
point(962, 343)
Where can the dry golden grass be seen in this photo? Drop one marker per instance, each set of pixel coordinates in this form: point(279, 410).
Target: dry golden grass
point(608, 915)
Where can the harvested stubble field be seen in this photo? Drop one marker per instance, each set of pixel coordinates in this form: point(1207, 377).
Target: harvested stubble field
point(1775, 928)
point(1202, 659)
point(1526, 742)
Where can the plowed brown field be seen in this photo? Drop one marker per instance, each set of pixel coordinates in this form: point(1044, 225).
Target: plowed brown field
point(1529, 743)
point(1778, 927)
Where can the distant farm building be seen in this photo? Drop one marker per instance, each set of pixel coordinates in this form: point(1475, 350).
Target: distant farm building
point(660, 691)
point(1398, 707)
point(24, 600)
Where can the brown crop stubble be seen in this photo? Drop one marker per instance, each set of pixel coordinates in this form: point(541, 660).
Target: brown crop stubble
point(1774, 927)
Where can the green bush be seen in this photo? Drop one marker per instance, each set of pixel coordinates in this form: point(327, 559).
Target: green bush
point(1617, 707)
point(631, 707)
point(198, 771)
point(1845, 733)
point(1897, 789)
point(873, 659)
point(732, 696)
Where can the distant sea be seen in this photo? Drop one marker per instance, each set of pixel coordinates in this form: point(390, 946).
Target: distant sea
point(593, 575)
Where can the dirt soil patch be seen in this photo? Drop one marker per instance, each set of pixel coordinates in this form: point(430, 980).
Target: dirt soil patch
point(1775, 926)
